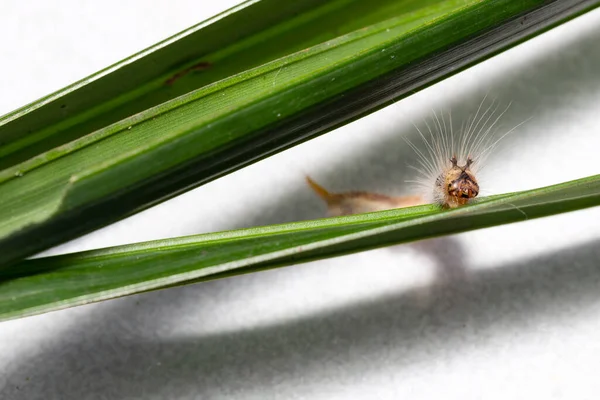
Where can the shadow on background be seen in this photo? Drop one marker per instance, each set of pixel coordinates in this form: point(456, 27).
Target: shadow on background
point(100, 358)
point(349, 341)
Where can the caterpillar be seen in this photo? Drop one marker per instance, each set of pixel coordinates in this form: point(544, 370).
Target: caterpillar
point(447, 170)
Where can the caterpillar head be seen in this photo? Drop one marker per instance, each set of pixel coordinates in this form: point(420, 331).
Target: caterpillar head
point(458, 184)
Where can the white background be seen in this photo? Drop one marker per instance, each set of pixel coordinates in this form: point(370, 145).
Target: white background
point(507, 312)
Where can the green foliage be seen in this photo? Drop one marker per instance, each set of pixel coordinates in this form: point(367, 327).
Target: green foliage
point(253, 81)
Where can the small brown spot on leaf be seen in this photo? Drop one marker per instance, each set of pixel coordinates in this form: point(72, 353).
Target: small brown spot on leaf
point(201, 66)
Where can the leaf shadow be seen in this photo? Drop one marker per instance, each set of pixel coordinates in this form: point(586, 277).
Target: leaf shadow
point(369, 336)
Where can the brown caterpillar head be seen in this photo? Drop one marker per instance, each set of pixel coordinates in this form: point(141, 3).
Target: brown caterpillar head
point(460, 184)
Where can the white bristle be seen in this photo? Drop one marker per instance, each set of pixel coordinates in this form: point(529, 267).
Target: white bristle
point(440, 142)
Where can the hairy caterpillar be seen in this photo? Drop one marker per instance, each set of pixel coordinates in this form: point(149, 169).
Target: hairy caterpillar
point(447, 170)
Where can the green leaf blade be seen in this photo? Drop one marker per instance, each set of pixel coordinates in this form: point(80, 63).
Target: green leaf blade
point(53, 283)
point(250, 34)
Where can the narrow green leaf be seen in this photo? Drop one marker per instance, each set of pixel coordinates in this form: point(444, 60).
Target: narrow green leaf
point(53, 283)
point(249, 35)
point(132, 164)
